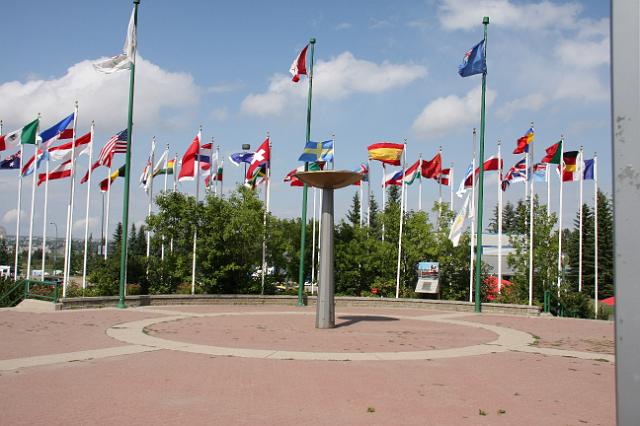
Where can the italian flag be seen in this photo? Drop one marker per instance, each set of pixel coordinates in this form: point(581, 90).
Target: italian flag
point(26, 135)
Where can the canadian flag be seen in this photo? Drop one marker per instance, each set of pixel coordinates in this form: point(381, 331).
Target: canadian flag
point(261, 156)
point(188, 169)
point(299, 65)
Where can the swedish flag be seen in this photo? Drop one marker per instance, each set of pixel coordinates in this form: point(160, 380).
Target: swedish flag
point(317, 151)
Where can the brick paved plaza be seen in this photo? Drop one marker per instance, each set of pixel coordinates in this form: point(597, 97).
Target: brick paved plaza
point(269, 365)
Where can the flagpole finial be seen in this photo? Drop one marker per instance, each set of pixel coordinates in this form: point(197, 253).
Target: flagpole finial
point(76, 102)
point(136, 1)
point(485, 20)
point(312, 40)
point(474, 130)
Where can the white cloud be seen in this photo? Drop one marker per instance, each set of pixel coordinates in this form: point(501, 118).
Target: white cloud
point(582, 53)
point(220, 114)
point(10, 216)
point(467, 14)
point(343, 26)
point(226, 87)
point(335, 79)
point(101, 97)
point(449, 112)
point(78, 225)
point(532, 102)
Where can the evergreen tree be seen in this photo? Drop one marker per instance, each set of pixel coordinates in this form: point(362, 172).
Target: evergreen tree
point(606, 260)
point(393, 192)
point(373, 212)
point(508, 218)
point(493, 222)
point(353, 215)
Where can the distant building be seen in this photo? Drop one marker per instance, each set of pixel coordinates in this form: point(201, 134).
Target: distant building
point(490, 253)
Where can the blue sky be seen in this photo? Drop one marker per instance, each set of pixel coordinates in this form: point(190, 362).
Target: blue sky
point(384, 71)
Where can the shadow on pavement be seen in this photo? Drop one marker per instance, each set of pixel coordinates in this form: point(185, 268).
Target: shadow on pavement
point(354, 319)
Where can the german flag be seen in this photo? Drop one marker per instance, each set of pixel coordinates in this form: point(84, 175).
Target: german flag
point(386, 152)
point(104, 184)
point(570, 160)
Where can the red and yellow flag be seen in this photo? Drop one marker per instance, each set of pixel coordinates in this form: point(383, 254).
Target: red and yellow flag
point(386, 152)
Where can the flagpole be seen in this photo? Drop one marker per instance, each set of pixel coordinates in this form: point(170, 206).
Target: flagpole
point(595, 231)
point(86, 216)
point(46, 206)
point(127, 171)
point(106, 225)
point(218, 165)
point(485, 22)
point(560, 214)
point(473, 225)
point(313, 242)
point(15, 267)
point(195, 228)
point(361, 190)
point(499, 217)
point(384, 201)
point(150, 183)
point(368, 193)
point(67, 242)
point(264, 218)
point(531, 224)
point(440, 192)
point(175, 189)
point(33, 203)
point(548, 175)
point(164, 191)
point(420, 183)
point(581, 162)
point(451, 187)
point(303, 218)
point(402, 205)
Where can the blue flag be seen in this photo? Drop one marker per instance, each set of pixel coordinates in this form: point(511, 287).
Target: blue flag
point(241, 157)
point(474, 61)
point(11, 162)
point(588, 170)
point(56, 129)
point(317, 151)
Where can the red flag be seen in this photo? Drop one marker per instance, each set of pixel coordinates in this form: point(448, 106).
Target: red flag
point(443, 179)
point(188, 169)
point(432, 169)
point(260, 157)
point(299, 65)
point(491, 164)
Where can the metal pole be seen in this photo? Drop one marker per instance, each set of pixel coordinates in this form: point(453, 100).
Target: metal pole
point(472, 208)
point(127, 174)
point(595, 232)
point(303, 218)
point(46, 206)
point(313, 240)
point(195, 228)
point(384, 191)
point(531, 223)
point(420, 183)
point(580, 162)
point(33, 205)
point(86, 216)
point(451, 187)
point(499, 218)
point(368, 193)
point(325, 308)
point(404, 161)
point(150, 201)
point(478, 306)
point(106, 224)
point(264, 218)
point(67, 236)
point(560, 214)
point(15, 267)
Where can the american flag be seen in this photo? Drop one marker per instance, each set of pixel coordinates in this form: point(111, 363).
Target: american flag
point(117, 144)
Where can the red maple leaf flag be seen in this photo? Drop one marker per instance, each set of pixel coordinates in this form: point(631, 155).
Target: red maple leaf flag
point(299, 65)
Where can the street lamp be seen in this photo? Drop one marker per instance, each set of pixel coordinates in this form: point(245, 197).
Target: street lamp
point(55, 246)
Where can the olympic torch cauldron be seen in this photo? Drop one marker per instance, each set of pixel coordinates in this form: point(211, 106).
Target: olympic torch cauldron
point(327, 180)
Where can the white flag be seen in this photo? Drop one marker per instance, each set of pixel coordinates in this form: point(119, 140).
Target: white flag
point(124, 60)
point(458, 224)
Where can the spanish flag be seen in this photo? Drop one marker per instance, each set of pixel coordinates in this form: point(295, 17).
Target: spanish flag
point(570, 159)
point(386, 152)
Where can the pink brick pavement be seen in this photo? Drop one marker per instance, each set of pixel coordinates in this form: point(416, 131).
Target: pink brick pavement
point(170, 387)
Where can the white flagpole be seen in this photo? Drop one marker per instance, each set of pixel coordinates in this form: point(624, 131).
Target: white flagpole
point(368, 193)
point(531, 224)
point(45, 213)
point(33, 203)
point(166, 162)
point(86, 216)
point(264, 218)
point(15, 267)
point(420, 182)
point(313, 242)
point(499, 218)
point(473, 209)
point(595, 230)
point(218, 164)
point(402, 205)
point(548, 175)
point(106, 220)
point(361, 222)
point(451, 187)
point(526, 177)
point(67, 243)
point(440, 193)
point(580, 162)
point(195, 229)
point(384, 203)
point(150, 183)
point(560, 214)
point(175, 188)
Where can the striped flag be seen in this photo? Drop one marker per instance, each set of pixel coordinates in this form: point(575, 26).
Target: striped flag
point(117, 144)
